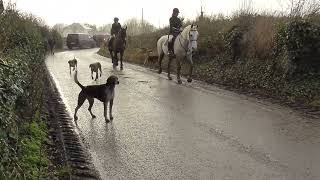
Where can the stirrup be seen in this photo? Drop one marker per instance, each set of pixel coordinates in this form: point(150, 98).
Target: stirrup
point(171, 54)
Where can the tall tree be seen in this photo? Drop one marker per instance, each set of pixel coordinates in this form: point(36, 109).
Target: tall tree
point(1, 7)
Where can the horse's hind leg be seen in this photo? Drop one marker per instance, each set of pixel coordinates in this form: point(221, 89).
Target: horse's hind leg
point(179, 70)
point(161, 55)
point(115, 54)
point(169, 65)
point(121, 59)
point(111, 54)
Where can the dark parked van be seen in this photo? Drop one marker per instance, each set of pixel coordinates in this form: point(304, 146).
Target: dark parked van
point(80, 40)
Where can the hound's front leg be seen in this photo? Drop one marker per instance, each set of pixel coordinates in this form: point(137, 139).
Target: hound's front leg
point(110, 109)
point(91, 74)
point(97, 75)
point(106, 111)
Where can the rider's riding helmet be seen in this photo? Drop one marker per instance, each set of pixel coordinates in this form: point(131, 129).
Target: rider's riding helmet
point(176, 10)
point(116, 19)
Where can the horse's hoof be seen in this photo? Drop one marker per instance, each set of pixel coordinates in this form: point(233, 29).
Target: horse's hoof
point(189, 80)
point(121, 68)
point(93, 116)
point(107, 120)
point(160, 71)
point(179, 81)
point(170, 78)
point(111, 118)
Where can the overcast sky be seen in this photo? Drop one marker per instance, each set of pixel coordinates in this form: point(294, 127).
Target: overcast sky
point(157, 12)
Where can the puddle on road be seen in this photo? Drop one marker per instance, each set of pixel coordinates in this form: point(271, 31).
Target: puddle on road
point(143, 81)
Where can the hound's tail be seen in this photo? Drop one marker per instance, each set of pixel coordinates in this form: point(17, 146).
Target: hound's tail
point(76, 80)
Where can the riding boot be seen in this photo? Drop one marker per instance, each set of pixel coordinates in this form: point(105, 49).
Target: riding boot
point(110, 42)
point(170, 48)
point(170, 51)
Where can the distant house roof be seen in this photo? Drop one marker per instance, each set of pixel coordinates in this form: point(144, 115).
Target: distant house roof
point(86, 27)
point(76, 28)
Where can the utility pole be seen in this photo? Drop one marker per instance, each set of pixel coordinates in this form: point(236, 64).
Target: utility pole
point(142, 16)
point(201, 10)
point(1, 7)
point(142, 24)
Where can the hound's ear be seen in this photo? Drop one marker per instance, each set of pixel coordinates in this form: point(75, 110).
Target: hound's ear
point(192, 25)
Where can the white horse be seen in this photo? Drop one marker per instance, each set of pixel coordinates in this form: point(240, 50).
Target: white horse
point(184, 46)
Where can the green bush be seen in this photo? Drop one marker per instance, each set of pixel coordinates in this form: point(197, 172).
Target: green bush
point(233, 41)
point(22, 52)
point(303, 45)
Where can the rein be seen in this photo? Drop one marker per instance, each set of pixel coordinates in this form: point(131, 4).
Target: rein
point(182, 44)
point(186, 50)
point(119, 36)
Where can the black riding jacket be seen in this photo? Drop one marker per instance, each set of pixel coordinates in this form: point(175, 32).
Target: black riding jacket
point(115, 28)
point(175, 23)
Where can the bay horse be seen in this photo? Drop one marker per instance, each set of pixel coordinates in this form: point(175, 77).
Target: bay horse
point(118, 45)
point(184, 47)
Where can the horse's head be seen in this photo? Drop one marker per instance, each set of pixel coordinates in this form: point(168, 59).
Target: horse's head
point(193, 37)
point(123, 33)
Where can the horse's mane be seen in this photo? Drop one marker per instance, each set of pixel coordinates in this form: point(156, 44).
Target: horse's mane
point(185, 32)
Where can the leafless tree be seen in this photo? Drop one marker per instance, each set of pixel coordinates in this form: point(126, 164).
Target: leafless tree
point(300, 8)
point(1, 7)
point(59, 27)
point(136, 27)
point(105, 28)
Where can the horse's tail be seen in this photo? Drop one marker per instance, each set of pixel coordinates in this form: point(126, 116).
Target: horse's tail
point(76, 80)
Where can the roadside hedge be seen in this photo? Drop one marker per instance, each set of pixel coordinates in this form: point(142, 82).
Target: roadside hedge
point(23, 130)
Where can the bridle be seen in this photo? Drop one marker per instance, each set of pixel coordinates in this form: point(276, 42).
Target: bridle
point(120, 36)
point(190, 40)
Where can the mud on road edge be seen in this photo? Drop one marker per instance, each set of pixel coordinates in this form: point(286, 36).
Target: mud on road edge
point(72, 151)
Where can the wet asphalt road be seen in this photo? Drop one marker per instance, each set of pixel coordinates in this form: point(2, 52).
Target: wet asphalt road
point(163, 130)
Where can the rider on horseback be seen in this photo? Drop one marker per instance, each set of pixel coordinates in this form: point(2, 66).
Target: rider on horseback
point(116, 27)
point(175, 25)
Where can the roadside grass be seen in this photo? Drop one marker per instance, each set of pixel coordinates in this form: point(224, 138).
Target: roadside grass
point(32, 155)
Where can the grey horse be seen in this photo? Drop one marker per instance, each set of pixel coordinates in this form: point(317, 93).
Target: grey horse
point(184, 47)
